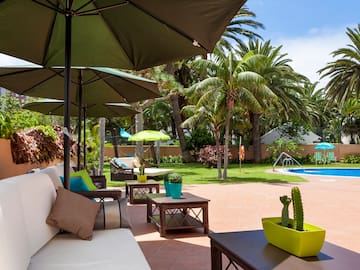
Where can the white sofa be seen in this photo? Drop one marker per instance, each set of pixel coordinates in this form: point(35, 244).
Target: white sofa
point(27, 242)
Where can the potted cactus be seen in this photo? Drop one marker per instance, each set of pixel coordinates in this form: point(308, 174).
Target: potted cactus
point(293, 235)
point(175, 184)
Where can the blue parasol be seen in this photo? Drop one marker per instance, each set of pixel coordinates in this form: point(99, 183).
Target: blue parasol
point(324, 146)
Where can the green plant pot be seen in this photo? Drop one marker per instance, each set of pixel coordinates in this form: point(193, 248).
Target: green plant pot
point(167, 188)
point(175, 190)
point(142, 178)
point(300, 243)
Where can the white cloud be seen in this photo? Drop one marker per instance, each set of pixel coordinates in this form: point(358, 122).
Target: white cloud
point(313, 51)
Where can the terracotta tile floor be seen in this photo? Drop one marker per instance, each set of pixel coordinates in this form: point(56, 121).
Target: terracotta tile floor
point(329, 202)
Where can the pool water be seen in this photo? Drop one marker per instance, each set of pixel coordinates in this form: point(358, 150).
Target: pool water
point(328, 171)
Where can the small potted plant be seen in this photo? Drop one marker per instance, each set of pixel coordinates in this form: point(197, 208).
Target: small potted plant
point(175, 184)
point(142, 177)
point(293, 235)
point(167, 186)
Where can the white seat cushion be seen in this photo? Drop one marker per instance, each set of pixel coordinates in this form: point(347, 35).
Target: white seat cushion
point(108, 250)
point(37, 195)
point(14, 249)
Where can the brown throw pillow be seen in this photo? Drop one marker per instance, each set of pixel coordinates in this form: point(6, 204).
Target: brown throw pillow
point(73, 213)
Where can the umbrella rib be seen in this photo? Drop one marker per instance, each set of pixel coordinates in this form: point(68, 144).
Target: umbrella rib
point(123, 78)
point(41, 82)
point(193, 41)
point(51, 5)
point(97, 11)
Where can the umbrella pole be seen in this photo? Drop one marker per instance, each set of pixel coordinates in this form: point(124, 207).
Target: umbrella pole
point(84, 116)
point(80, 101)
point(67, 74)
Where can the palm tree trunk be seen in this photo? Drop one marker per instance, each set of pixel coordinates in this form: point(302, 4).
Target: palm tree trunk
point(114, 142)
point(218, 153)
point(255, 117)
point(177, 120)
point(230, 106)
point(102, 145)
point(139, 126)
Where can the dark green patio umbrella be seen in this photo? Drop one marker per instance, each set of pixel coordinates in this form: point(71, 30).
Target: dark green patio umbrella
point(89, 85)
point(56, 107)
point(132, 34)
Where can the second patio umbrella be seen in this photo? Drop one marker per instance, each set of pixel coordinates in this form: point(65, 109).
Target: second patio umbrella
point(56, 107)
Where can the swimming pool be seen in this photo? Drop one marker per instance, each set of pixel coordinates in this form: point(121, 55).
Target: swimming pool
point(328, 171)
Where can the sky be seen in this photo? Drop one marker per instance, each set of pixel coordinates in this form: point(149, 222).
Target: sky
point(308, 30)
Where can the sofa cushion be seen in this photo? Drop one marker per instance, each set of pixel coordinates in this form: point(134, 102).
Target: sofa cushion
point(121, 164)
point(112, 214)
point(54, 172)
point(73, 213)
point(14, 249)
point(37, 195)
point(109, 249)
point(86, 178)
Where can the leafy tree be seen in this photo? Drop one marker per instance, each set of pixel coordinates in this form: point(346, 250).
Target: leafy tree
point(158, 116)
point(344, 72)
point(209, 112)
point(281, 81)
point(13, 117)
point(227, 77)
point(239, 27)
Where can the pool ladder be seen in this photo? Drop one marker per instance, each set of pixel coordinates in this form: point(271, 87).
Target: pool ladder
point(286, 160)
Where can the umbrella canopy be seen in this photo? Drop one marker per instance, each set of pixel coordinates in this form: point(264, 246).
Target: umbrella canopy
point(324, 146)
point(149, 136)
point(95, 85)
point(56, 107)
point(131, 34)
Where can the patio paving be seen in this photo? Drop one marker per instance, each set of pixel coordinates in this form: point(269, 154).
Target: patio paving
point(329, 202)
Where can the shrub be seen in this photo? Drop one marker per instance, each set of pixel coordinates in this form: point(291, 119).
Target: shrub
point(208, 155)
point(37, 145)
point(283, 145)
point(352, 158)
point(171, 159)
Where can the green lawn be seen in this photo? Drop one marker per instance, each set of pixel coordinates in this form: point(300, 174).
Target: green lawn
point(194, 173)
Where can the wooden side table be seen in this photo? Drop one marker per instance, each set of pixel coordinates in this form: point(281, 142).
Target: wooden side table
point(172, 214)
point(250, 250)
point(136, 191)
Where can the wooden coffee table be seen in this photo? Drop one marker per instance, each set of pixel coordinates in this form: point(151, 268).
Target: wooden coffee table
point(137, 191)
point(172, 214)
point(250, 250)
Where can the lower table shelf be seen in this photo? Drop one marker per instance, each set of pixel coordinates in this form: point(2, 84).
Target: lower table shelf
point(178, 221)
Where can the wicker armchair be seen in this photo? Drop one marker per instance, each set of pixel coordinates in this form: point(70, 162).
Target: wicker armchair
point(120, 174)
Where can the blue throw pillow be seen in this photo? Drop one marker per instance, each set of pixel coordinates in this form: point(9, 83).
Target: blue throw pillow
point(76, 184)
point(121, 164)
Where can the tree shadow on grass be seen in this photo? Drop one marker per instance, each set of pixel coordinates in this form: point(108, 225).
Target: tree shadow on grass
point(239, 180)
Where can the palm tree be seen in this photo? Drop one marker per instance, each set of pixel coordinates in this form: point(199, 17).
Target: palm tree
point(344, 72)
point(238, 29)
point(226, 75)
point(282, 81)
point(207, 111)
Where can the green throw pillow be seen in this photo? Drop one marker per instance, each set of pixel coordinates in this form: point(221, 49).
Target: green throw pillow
point(86, 178)
point(76, 184)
